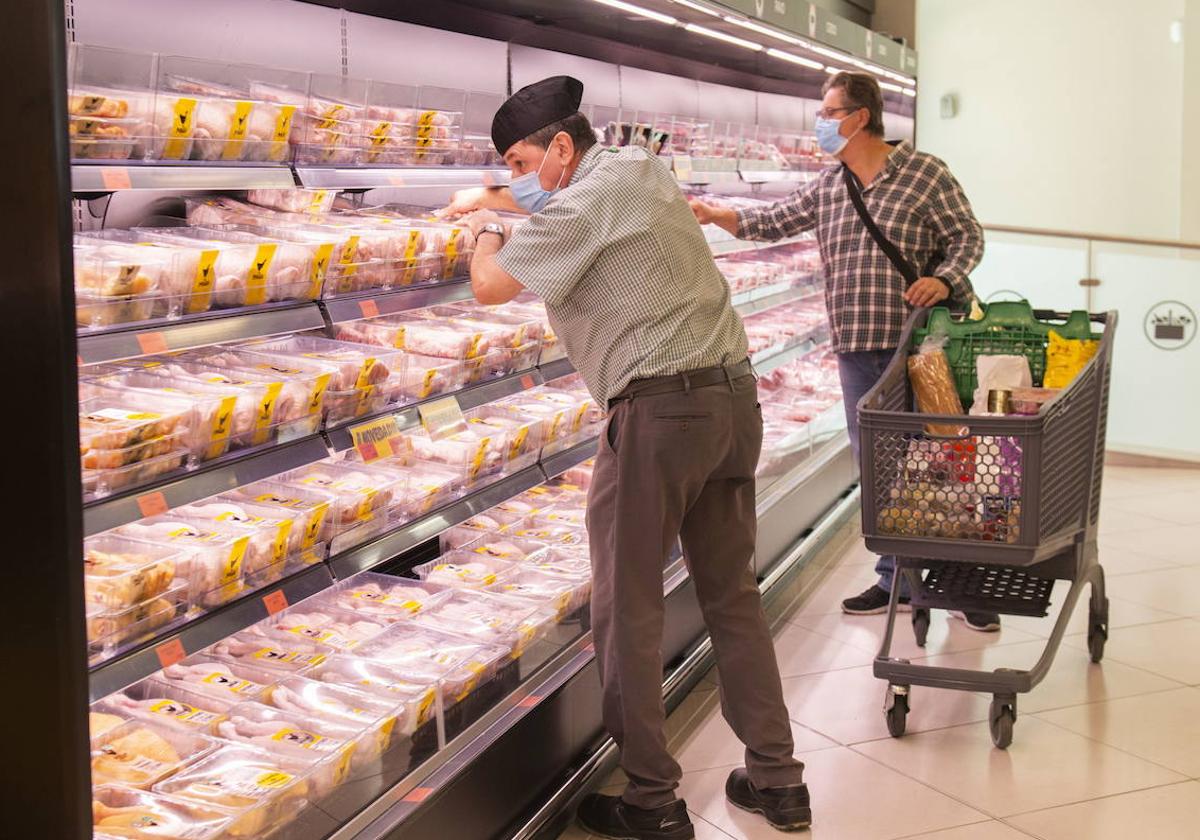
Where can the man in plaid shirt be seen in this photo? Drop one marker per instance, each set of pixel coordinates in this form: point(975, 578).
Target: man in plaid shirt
point(920, 207)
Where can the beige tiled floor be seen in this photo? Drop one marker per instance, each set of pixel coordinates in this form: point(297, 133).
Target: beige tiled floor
point(1100, 752)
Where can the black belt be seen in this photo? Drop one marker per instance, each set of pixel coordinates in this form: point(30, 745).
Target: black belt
point(686, 381)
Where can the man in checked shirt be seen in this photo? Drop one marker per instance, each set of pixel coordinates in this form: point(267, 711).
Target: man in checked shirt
point(631, 287)
point(920, 207)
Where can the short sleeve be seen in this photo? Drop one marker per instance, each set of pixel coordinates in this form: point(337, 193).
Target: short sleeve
point(551, 252)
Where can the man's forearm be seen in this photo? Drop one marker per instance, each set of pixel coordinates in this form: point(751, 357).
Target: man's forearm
point(500, 198)
point(726, 219)
point(489, 283)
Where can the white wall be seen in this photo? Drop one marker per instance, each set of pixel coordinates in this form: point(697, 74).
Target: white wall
point(1190, 199)
point(1070, 111)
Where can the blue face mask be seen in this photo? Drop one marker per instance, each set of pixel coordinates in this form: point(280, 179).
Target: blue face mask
point(829, 138)
point(527, 189)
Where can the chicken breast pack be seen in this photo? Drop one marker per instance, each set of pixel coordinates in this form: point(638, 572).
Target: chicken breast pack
point(380, 598)
point(138, 754)
point(413, 698)
point(119, 812)
point(423, 654)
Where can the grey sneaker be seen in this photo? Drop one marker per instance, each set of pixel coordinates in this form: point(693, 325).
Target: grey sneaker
point(873, 602)
point(981, 621)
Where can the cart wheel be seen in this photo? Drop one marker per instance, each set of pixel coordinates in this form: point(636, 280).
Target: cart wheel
point(1097, 636)
point(896, 710)
point(920, 622)
point(1001, 719)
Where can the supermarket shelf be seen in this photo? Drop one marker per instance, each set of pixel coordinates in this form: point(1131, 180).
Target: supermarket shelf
point(204, 630)
point(224, 474)
point(560, 462)
point(775, 176)
point(105, 178)
point(468, 398)
point(768, 297)
point(371, 554)
point(363, 178)
point(726, 247)
point(767, 360)
point(556, 369)
point(352, 308)
point(212, 328)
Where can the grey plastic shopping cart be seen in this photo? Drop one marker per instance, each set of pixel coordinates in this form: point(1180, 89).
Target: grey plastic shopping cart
point(989, 517)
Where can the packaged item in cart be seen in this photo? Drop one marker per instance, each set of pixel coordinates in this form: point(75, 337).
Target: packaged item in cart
point(109, 629)
point(118, 572)
point(1029, 401)
point(212, 555)
point(285, 653)
point(998, 373)
point(465, 569)
point(933, 385)
point(119, 812)
point(225, 682)
point(373, 718)
point(420, 653)
point(494, 619)
point(1065, 358)
point(412, 698)
point(381, 598)
point(259, 791)
point(340, 630)
point(138, 754)
point(323, 745)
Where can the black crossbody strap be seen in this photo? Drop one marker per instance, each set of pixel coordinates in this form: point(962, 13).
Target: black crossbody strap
point(893, 253)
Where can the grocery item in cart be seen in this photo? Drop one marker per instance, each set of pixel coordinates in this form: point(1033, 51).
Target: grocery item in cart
point(324, 745)
point(933, 385)
point(1065, 358)
point(119, 572)
point(259, 791)
point(119, 812)
point(138, 754)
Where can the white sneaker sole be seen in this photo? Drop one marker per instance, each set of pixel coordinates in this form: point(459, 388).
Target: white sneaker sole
point(978, 628)
point(901, 608)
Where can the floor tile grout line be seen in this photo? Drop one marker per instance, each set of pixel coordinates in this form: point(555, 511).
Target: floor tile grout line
point(1100, 798)
point(1127, 752)
point(1176, 687)
point(936, 790)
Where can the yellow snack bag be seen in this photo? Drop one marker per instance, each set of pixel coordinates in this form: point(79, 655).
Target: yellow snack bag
point(1065, 358)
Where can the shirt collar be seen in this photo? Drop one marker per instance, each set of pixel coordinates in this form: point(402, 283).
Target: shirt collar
point(903, 151)
point(588, 162)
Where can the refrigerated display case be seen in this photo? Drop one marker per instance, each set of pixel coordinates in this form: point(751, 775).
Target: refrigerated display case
point(288, 581)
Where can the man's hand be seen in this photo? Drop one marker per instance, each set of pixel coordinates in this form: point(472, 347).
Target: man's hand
point(705, 213)
point(479, 218)
point(464, 202)
point(927, 291)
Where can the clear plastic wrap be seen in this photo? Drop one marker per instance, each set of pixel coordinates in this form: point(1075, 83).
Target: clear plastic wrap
point(294, 200)
point(372, 716)
point(412, 698)
point(336, 628)
point(465, 569)
point(260, 791)
point(362, 493)
point(119, 573)
point(212, 555)
point(420, 653)
point(271, 539)
point(224, 681)
point(285, 653)
point(477, 451)
point(171, 706)
point(564, 594)
point(117, 283)
point(933, 385)
point(137, 754)
point(484, 617)
point(310, 507)
point(304, 382)
point(119, 812)
point(109, 630)
point(381, 597)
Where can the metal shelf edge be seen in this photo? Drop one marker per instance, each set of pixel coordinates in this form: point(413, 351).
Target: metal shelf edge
point(204, 630)
point(556, 369)
point(183, 335)
point(559, 462)
point(766, 361)
point(351, 178)
point(103, 514)
point(111, 177)
point(389, 302)
point(754, 305)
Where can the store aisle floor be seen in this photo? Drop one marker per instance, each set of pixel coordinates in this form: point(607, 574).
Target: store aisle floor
point(1099, 752)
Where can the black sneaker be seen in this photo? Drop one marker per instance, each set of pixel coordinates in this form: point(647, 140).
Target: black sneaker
point(873, 602)
point(981, 621)
point(786, 808)
point(612, 817)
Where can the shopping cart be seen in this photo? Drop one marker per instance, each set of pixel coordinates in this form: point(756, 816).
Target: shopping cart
point(995, 512)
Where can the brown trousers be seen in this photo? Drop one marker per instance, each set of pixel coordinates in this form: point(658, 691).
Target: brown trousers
point(682, 464)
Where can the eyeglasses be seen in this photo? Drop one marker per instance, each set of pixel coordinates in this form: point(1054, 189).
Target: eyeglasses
point(826, 113)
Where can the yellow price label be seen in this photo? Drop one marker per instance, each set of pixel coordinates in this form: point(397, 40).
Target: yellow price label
point(320, 266)
point(256, 280)
point(182, 123)
point(265, 415)
point(222, 422)
point(236, 140)
point(202, 283)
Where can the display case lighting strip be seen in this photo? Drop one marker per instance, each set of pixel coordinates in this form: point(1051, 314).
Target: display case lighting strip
point(908, 92)
point(638, 10)
point(764, 30)
point(797, 59)
point(721, 36)
point(688, 4)
point(889, 86)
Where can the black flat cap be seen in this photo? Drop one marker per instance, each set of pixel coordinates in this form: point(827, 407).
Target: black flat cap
point(535, 106)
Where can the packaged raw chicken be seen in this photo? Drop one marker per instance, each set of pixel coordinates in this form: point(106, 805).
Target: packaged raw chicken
point(428, 376)
point(373, 718)
point(415, 334)
point(420, 653)
point(505, 547)
point(155, 701)
point(109, 630)
point(465, 569)
point(258, 790)
point(477, 451)
point(287, 654)
point(550, 532)
point(430, 486)
point(522, 432)
point(465, 533)
point(381, 598)
point(193, 126)
point(484, 617)
point(119, 812)
point(293, 200)
point(564, 594)
point(111, 422)
point(223, 681)
point(413, 699)
point(310, 507)
point(362, 493)
point(341, 630)
point(117, 283)
point(564, 561)
point(270, 543)
point(303, 383)
point(119, 573)
point(212, 555)
point(494, 331)
point(324, 745)
point(138, 754)
point(100, 722)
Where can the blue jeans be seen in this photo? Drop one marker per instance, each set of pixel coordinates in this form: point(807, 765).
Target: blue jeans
point(859, 372)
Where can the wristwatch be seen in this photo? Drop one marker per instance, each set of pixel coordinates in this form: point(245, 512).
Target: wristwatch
point(493, 227)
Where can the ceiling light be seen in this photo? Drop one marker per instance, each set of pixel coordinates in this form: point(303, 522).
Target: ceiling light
point(697, 7)
point(763, 30)
point(796, 59)
point(639, 11)
point(720, 36)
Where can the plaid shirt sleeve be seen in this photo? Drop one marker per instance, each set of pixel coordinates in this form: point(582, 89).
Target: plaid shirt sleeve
point(958, 232)
point(786, 217)
point(552, 250)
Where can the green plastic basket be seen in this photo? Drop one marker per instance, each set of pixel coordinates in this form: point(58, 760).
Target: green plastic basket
point(1008, 328)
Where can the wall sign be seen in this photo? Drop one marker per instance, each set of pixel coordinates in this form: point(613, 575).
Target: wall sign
point(1170, 325)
